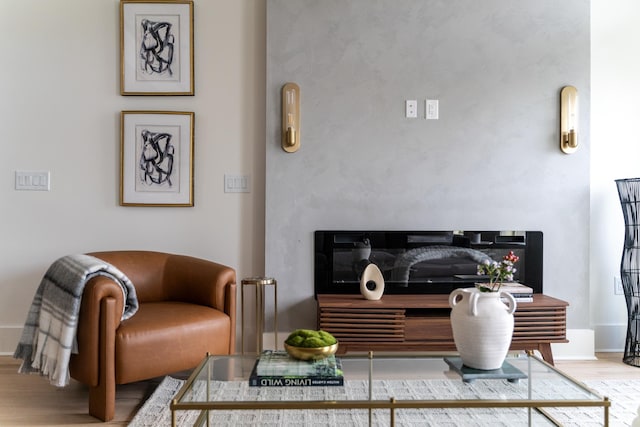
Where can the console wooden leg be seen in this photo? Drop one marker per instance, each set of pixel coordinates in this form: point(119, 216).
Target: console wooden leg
point(545, 350)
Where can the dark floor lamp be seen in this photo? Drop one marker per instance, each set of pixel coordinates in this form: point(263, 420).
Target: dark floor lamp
point(629, 192)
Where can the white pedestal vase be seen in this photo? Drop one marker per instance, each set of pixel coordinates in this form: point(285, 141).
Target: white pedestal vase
point(482, 326)
point(372, 283)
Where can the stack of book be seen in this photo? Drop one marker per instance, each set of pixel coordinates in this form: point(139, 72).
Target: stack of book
point(520, 292)
point(278, 369)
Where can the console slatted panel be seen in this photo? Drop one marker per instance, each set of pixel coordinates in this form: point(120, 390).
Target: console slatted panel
point(421, 323)
point(364, 325)
point(540, 323)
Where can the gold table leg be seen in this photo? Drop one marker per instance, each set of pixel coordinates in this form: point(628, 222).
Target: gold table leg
point(260, 284)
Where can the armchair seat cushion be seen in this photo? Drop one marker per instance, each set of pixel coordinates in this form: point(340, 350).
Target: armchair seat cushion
point(168, 337)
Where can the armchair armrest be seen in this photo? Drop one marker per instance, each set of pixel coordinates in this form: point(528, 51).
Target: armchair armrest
point(199, 281)
point(84, 365)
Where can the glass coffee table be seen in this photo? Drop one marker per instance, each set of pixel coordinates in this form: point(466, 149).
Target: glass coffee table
point(385, 390)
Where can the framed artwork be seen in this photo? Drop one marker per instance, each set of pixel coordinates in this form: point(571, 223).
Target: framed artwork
point(156, 158)
point(156, 47)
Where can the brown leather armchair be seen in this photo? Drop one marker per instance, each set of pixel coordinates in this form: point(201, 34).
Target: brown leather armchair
point(187, 307)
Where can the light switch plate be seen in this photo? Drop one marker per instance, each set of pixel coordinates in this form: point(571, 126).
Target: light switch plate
point(617, 286)
point(236, 184)
point(431, 109)
point(33, 180)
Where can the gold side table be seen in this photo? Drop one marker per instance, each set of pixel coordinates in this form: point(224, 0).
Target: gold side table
point(260, 284)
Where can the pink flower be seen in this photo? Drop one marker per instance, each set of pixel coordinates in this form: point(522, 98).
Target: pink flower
point(498, 272)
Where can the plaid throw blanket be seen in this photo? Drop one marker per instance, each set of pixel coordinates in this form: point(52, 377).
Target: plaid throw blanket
point(49, 334)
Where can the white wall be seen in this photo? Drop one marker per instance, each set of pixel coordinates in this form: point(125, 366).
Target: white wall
point(615, 41)
point(59, 110)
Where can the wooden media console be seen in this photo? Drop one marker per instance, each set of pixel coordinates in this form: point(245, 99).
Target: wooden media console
point(421, 323)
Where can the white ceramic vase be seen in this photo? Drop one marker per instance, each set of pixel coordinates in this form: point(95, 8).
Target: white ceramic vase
point(482, 326)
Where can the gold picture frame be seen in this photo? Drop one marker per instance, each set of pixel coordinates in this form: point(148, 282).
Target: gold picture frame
point(156, 47)
point(156, 158)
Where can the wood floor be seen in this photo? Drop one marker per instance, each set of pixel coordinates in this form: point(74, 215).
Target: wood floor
point(28, 400)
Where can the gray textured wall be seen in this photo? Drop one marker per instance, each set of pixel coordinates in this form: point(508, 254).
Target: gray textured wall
point(490, 162)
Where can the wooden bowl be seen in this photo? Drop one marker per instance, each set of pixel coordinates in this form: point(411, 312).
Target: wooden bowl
point(310, 353)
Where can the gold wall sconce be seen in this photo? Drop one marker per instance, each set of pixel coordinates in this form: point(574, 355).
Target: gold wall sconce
point(569, 119)
point(290, 117)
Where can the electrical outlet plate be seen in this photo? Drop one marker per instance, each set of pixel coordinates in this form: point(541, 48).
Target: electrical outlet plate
point(411, 109)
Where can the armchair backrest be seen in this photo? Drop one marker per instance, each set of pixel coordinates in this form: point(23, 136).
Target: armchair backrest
point(198, 281)
point(159, 276)
point(146, 269)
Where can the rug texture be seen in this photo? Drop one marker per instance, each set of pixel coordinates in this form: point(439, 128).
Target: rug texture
point(625, 397)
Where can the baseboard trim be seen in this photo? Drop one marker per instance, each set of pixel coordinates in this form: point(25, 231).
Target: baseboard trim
point(610, 337)
point(9, 337)
point(580, 345)
point(269, 340)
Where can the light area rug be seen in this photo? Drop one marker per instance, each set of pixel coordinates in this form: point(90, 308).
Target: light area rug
point(624, 395)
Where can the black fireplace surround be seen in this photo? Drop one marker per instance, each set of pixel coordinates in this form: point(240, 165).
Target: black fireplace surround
point(421, 262)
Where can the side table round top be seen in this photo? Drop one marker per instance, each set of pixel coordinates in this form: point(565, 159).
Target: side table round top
point(258, 281)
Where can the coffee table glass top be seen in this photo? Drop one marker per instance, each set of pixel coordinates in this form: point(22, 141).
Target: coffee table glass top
point(388, 382)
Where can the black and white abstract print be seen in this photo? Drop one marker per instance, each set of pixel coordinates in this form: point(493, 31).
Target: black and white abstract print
point(158, 47)
point(157, 162)
point(156, 50)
